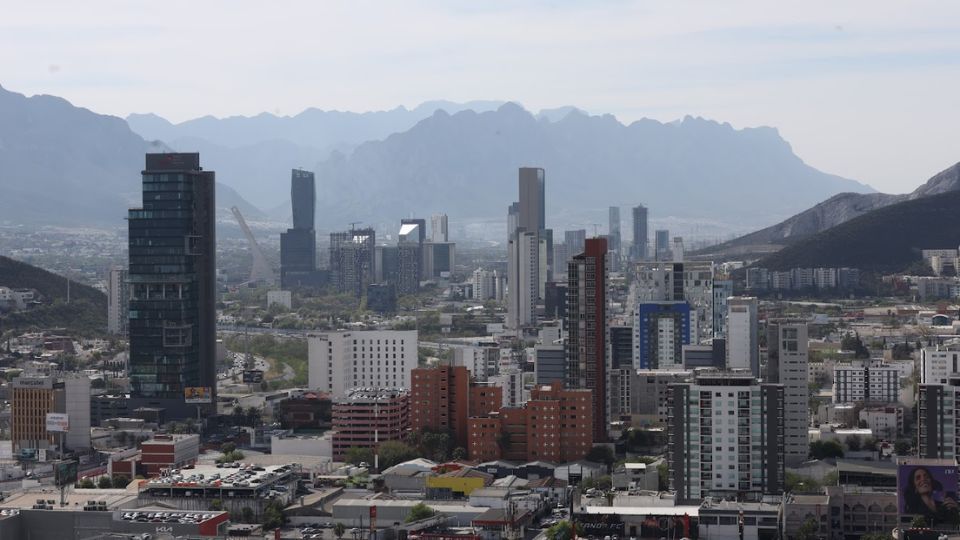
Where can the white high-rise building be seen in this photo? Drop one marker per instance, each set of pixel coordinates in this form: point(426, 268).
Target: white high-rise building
point(680, 281)
point(523, 262)
point(787, 365)
point(743, 347)
point(938, 363)
point(118, 300)
point(511, 381)
point(339, 361)
point(438, 228)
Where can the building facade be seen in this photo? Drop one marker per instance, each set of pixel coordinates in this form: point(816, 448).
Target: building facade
point(339, 361)
point(118, 300)
point(660, 331)
point(641, 237)
point(172, 275)
point(352, 260)
point(866, 382)
point(743, 345)
point(367, 417)
point(787, 360)
point(298, 245)
point(681, 281)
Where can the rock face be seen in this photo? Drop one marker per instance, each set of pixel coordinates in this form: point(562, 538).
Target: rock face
point(830, 213)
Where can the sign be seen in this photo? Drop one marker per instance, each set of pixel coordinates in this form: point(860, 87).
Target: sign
point(197, 394)
point(928, 490)
point(253, 376)
point(58, 422)
point(41, 455)
point(33, 382)
point(65, 472)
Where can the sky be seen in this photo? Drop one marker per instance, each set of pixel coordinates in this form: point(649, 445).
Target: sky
point(863, 89)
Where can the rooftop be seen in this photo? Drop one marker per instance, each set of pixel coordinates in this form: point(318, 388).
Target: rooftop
point(209, 476)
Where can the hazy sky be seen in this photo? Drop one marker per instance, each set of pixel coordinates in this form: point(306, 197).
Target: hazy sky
point(865, 89)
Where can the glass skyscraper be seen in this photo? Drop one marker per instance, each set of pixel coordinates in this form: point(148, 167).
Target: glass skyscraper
point(172, 241)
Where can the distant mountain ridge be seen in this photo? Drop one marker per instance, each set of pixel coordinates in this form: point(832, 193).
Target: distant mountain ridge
point(65, 165)
point(832, 212)
point(887, 239)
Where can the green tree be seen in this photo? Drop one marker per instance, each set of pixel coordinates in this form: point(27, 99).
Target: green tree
point(394, 452)
point(229, 457)
point(562, 530)
point(120, 482)
point(601, 454)
point(339, 530)
point(104, 482)
point(216, 505)
point(807, 531)
point(854, 443)
point(356, 456)
point(419, 511)
point(246, 515)
point(902, 447)
point(459, 453)
point(228, 447)
point(273, 516)
point(86, 483)
point(825, 449)
point(663, 476)
point(918, 522)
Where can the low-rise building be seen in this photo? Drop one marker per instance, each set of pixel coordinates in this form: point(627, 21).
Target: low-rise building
point(169, 451)
point(366, 417)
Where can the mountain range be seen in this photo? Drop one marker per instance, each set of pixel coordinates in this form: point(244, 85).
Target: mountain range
point(828, 214)
point(67, 165)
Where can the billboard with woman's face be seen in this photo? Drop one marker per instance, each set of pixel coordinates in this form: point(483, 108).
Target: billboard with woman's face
point(928, 490)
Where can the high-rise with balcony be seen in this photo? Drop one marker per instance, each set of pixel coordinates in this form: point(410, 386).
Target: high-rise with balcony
point(586, 326)
point(725, 438)
point(172, 244)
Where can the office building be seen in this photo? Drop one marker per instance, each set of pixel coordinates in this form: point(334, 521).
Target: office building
point(551, 364)
point(339, 361)
point(555, 300)
point(368, 417)
point(660, 331)
point(439, 259)
point(661, 245)
point(554, 425)
point(486, 285)
point(352, 260)
point(613, 229)
point(643, 394)
point(410, 258)
point(482, 359)
point(867, 381)
point(513, 219)
point(640, 233)
point(575, 241)
point(713, 355)
point(787, 360)
point(677, 253)
point(586, 327)
point(743, 345)
point(386, 263)
point(298, 246)
point(32, 398)
point(522, 282)
point(172, 278)
point(681, 281)
point(561, 256)
point(532, 215)
point(169, 451)
point(118, 300)
point(938, 363)
point(439, 232)
point(938, 411)
point(726, 438)
point(621, 347)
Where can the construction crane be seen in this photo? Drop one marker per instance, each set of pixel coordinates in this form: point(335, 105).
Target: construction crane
point(260, 270)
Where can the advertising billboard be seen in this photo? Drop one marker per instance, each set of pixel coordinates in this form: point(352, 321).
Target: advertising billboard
point(58, 422)
point(65, 472)
point(197, 394)
point(928, 490)
point(252, 376)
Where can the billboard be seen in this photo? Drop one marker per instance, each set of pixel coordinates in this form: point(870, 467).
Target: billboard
point(252, 376)
point(65, 472)
point(197, 394)
point(58, 422)
point(927, 490)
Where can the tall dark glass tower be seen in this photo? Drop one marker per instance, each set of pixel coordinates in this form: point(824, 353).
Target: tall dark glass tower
point(173, 283)
point(298, 246)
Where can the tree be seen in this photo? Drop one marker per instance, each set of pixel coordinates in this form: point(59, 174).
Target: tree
point(918, 522)
point(394, 452)
point(237, 416)
point(216, 505)
point(419, 511)
point(86, 483)
point(104, 482)
point(356, 456)
point(459, 453)
point(601, 454)
point(825, 449)
point(253, 417)
point(273, 516)
point(229, 457)
point(854, 443)
point(902, 447)
point(663, 477)
point(807, 531)
point(98, 383)
point(120, 482)
point(246, 515)
point(562, 530)
point(339, 530)
point(228, 447)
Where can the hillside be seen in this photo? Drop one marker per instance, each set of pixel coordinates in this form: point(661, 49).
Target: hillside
point(830, 213)
point(65, 165)
point(884, 240)
point(86, 313)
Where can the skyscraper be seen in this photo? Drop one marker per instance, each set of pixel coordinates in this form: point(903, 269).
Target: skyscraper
point(787, 365)
point(640, 235)
point(298, 246)
point(661, 245)
point(614, 228)
point(410, 256)
point(575, 241)
point(660, 331)
point(530, 249)
point(118, 300)
point(352, 260)
point(439, 228)
point(743, 347)
point(522, 283)
point(532, 202)
point(173, 283)
point(586, 325)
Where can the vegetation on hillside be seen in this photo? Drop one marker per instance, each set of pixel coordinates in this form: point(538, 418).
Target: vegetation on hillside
point(86, 313)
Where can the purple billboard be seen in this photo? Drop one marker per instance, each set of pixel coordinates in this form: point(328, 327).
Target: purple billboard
point(927, 490)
